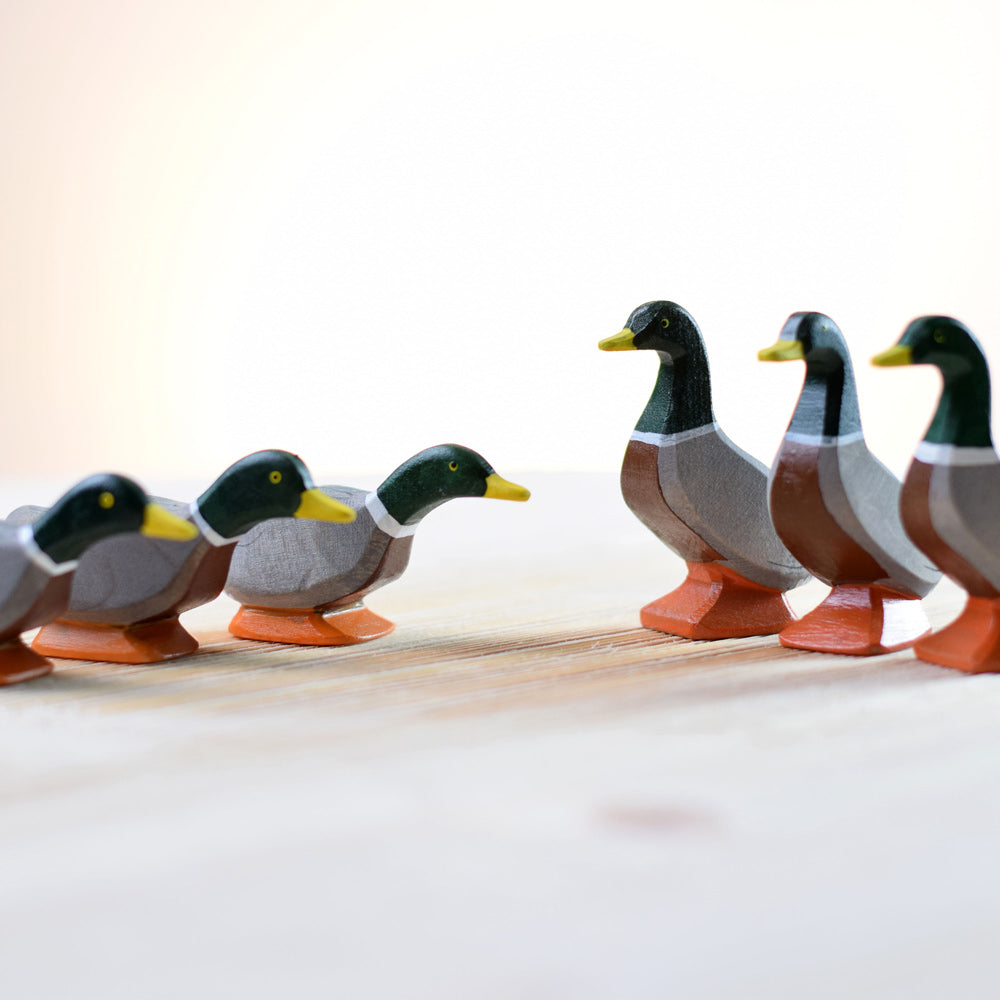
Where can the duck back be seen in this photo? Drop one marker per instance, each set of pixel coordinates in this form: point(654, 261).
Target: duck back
point(129, 578)
point(293, 563)
point(29, 596)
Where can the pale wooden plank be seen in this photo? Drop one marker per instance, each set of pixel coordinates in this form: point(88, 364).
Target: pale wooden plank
point(517, 793)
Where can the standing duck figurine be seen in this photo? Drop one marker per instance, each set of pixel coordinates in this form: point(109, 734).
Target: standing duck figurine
point(836, 507)
point(37, 561)
point(129, 590)
point(303, 583)
point(700, 494)
point(950, 497)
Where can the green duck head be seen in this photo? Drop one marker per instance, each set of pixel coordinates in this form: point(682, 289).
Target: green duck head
point(664, 327)
point(828, 404)
point(811, 337)
point(682, 395)
point(936, 340)
point(438, 474)
point(263, 485)
point(100, 506)
point(963, 414)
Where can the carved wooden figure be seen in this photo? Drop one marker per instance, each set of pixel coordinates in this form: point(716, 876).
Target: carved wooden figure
point(836, 507)
point(37, 561)
point(304, 583)
point(129, 590)
point(950, 503)
point(700, 494)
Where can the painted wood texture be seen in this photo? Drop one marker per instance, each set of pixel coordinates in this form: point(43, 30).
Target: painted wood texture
point(129, 590)
point(836, 507)
point(700, 494)
point(305, 583)
point(522, 793)
point(38, 563)
point(948, 501)
point(949, 511)
point(129, 578)
point(295, 568)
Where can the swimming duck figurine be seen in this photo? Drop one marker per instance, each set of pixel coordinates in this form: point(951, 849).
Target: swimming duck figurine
point(950, 494)
point(37, 561)
point(129, 590)
point(304, 583)
point(836, 507)
point(700, 494)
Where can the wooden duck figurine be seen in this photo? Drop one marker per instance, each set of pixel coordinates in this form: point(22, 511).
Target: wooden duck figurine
point(836, 508)
point(700, 494)
point(129, 590)
point(304, 583)
point(949, 502)
point(37, 561)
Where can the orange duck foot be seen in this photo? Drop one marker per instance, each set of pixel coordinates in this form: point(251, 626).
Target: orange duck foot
point(310, 626)
point(859, 620)
point(18, 663)
point(716, 603)
point(146, 642)
point(970, 643)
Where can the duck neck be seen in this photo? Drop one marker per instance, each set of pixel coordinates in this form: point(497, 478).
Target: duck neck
point(226, 519)
point(405, 498)
point(962, 417)
point(828, 403)
point(51, 537)
point(682, 395)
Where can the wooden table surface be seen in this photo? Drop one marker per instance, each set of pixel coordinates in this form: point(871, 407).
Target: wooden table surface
point(520, 793)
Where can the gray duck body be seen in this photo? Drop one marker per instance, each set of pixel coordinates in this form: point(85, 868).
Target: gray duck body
point(698, 492)
point(23, 582)
point(834, 504)
point(719, 494)
point(961, 503)
point(285, 563)
point(129, 577)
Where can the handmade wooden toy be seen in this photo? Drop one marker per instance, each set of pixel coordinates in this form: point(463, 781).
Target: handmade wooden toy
point(950, 502)
point(836, 507)
point(700, 494)
point(304, 583)
point(129, 590)
point(37, 561)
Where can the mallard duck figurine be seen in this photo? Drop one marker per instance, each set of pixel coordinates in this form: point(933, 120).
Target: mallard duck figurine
point(37, 561)
point(949, 502)
point(304, 583)
point(128, 591)
point(836, 507)
point(700, 494)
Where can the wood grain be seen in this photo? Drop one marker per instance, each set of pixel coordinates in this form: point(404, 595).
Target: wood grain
point(519, 793)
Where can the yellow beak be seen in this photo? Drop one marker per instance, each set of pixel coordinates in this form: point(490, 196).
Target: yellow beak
point(158, 522)
point(499, 488)
point(898, 355)
point(317, 506)
point(783, 350)
point(622, 341)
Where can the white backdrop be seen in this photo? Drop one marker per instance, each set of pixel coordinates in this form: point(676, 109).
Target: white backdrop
point(353, 230)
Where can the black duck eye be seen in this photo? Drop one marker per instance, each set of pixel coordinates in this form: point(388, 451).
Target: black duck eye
point(453, 466)
point(938, 337)
point(275, 477)
point(106, 500)
point(664, 323)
